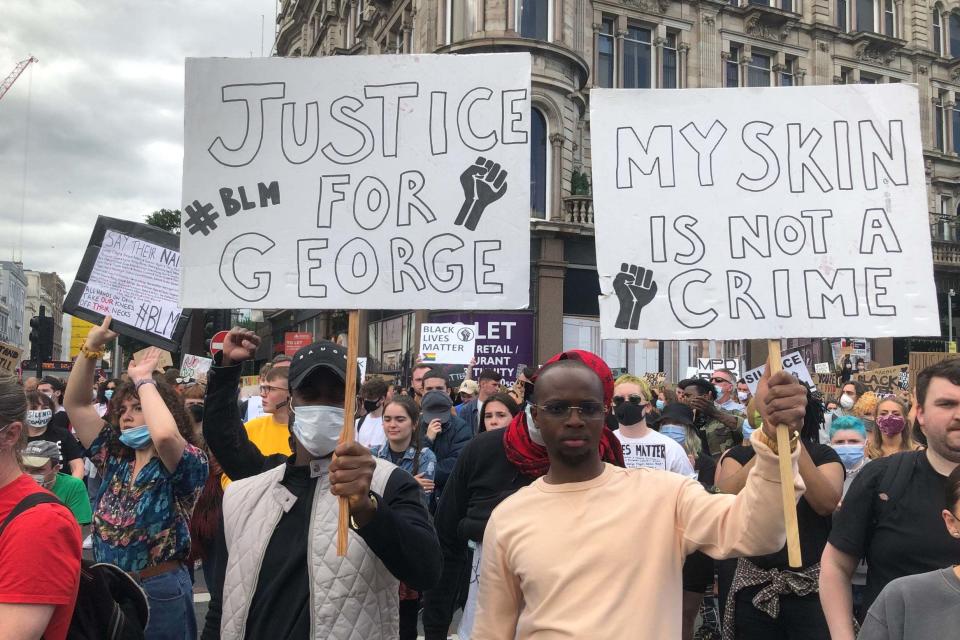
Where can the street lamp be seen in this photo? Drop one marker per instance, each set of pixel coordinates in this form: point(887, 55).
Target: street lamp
point(950, 295)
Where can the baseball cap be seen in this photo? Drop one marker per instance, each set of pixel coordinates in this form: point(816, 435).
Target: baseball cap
point(677, 413)
point(39, 452)
point(319, 355)
point(469, 386)
point(436, 405)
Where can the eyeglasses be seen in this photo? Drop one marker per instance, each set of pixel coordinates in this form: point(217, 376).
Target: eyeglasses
point(266, 388)
point(720, 380)
point(563, 410)
point(633, 398)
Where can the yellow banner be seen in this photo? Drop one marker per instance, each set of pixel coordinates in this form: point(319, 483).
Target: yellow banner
point(78, 335)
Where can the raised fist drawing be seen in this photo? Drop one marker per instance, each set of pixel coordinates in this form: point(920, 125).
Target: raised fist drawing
point(635, 289)
point(484, 182)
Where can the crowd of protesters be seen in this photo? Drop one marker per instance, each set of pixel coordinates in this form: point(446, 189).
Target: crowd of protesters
point(564, 503)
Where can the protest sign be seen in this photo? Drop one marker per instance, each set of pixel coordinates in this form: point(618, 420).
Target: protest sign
point(504, 341)
point(294, 340)
point(706, 366)
point(920, 360)
point(356, 182)
point(822, 367)
point(195, 367)
point(792, 363)
point(165, 361)
point(131, 271)
point(9, 357)
point(656, 380)
point(362, 364)
point(764, 213)
point(443, 343)
point(886, 379)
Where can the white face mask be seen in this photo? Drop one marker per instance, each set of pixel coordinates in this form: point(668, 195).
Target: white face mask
point(846, 401)
point(40, 479)
point(317, 428)
point(38, 418)
point(743, 395)
point(535, 434)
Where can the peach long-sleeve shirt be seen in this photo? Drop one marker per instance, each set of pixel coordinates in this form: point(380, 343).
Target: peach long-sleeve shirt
point(602, 559)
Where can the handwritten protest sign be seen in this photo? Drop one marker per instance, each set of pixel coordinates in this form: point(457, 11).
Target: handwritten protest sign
point(792, 363)
point(447, 343)
point(886, 379)
point(9, 357)
point(131, 271)
point(355, 182)
point(761, 213)
point(920, 360)
point(195, 367)
point(822, 367)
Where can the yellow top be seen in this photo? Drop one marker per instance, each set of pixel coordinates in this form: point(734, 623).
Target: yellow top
point(270, 436)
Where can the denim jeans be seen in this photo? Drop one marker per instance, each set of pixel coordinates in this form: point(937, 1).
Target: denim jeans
point(170, 596)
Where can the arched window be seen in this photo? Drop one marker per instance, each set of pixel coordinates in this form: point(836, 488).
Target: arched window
point(954, 26)
point(936, 28)
point(538, 165)
point(533, 19)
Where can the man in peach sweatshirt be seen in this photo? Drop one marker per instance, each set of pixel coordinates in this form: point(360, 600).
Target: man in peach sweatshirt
point(595, 551)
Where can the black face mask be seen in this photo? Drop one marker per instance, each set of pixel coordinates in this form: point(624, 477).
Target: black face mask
point(528, 391)
point(196, 411)
point(370, 405)
point(628, 413)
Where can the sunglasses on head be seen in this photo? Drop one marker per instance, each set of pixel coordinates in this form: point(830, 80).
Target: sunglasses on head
point(633, 398)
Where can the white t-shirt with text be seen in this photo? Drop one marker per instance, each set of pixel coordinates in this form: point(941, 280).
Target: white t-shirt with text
point(655, 451)
point(371, 432)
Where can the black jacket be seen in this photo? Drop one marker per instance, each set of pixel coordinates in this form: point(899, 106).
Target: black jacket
point(400, 513)
point(482, 479)
point(447, 447)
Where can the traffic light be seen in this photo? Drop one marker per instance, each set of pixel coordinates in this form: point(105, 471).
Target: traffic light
point(41, 337)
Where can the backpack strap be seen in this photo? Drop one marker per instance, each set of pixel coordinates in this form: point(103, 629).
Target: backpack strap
point(28, 502)
point(896, 478)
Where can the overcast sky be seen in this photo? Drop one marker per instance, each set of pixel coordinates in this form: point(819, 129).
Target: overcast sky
point(106, 111)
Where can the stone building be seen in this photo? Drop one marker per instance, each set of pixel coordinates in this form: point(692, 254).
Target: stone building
point(578, 44)
point(46, 289)
point(13, 288)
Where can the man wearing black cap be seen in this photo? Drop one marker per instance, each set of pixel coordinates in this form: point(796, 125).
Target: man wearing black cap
point(445, 433)
point(278, 575)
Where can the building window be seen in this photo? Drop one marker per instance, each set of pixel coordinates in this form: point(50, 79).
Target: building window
point(669, 66)
point(788, 73)
point(786, 5)
point(865, 15)
point(955, 127)
point(954, 25)
point(533, 19)
point(889, 19)
point(758, 70)
point(538, 165)
point(605, 54)
point(461, 19)
point(943, 223)
point(733, 67)
point(866, 78)
point(936, 22)
point(637, 58)
point(940, 123)
point(843, 18)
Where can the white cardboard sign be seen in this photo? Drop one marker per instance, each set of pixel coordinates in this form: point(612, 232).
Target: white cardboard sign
point(195, 366)
point(357, 182)
point(792, 363)
point(706, 366)
point(444, 343)
point(761, 213)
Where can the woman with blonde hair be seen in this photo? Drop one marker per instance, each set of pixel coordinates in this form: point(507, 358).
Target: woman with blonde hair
point(894, 433)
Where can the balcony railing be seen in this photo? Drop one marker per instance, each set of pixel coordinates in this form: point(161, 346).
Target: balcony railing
point(946, 254)
point(578, 209)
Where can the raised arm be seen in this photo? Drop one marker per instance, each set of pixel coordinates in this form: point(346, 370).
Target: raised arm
point(160, 422)
point(77, 399)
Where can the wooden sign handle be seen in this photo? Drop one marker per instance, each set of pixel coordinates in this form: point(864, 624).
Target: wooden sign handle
point(786, 472)
point(349, 411)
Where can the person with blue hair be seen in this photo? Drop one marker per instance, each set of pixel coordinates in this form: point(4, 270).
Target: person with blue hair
point(848, 437)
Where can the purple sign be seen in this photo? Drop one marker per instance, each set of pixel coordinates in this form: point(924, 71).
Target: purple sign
point(504, 340)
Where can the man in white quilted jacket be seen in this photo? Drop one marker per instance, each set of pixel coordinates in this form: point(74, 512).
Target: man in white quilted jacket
point(277, 574)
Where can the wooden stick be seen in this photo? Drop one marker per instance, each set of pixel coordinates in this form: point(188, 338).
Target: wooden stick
point(349, 410)
point(786, 472)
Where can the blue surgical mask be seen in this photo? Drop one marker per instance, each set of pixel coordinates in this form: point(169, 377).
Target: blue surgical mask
point(747, 431)
point(136, 437)
point(850, 454)
point(660, 405)
point(674, 432)
point(717, 390)
point(108, 394)
point(317, 428)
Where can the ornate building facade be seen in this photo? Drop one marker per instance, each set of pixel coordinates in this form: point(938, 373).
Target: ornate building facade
point(580, 44)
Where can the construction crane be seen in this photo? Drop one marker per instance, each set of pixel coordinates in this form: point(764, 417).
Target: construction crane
point(17, 70)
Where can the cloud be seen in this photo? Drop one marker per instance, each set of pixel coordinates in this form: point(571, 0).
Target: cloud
point(106, 112)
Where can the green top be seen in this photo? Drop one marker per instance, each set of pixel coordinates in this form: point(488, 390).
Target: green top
point(73, 493)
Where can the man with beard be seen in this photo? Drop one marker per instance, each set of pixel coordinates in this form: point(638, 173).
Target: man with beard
point(547, 568)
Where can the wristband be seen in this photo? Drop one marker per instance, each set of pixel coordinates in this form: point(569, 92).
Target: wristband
point(145, 381)
point(91, 355)
point(373, 499)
